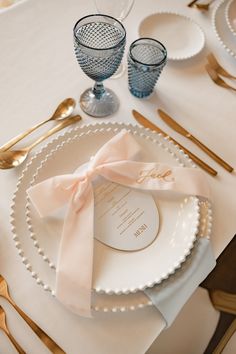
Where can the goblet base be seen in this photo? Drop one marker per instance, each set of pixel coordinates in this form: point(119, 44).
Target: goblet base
point(103, 106)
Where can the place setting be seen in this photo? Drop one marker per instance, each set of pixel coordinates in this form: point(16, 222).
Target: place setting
point(114, 217)
point(114, 258)
point(110, 188)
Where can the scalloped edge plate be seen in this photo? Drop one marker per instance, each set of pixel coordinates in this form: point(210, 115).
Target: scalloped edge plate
point(189, 38)
point(36, 265)
point(224, 35)
point(230, 15)
point(117, 271)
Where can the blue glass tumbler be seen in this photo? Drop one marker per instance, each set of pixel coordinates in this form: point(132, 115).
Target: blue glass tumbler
point(146, 60)
point(99, 42)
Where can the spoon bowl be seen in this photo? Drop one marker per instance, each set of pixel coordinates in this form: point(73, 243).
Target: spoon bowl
point(12, 158)
point(64, 110)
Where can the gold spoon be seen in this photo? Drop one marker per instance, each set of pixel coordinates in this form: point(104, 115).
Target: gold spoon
point(3, 326)
point(13, 158)
point(49, 342)
point(64, 110)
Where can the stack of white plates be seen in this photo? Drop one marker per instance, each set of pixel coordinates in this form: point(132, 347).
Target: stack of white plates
point(119, 277)
point(224, 24)
point(230, 15)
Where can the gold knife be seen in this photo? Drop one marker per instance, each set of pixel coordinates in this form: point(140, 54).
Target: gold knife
point(179, 129)
point(147, 124)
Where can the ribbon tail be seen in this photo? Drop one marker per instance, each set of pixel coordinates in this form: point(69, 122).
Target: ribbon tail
point(75, 262)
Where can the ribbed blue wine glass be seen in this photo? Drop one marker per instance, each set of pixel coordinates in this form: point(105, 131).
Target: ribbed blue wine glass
point(99, 42)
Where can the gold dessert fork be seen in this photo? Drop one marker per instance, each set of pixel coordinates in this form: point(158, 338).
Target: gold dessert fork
point(217, 67)
point(3, 326)
point(49, 342)
point(220, 82)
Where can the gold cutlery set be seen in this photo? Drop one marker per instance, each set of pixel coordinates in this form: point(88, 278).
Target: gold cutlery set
point(177, 127)
point(13, 158)
point(213, 68)
point(215, 71)
point(49, 342)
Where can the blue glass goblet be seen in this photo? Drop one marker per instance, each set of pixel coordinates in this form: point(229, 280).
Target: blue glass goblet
point(99, 42)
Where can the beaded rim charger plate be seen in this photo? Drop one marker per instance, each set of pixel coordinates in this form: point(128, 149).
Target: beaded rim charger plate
point(222, 31)
point(230, 15)
point(40, 267)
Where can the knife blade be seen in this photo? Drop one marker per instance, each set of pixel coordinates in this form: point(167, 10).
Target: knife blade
point(148, 124)
point(181, 130)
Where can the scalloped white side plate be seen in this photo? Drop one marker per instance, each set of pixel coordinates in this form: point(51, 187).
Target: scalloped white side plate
point(118, 271)
point(230, 15)
point(224, 35)
point(181, 36)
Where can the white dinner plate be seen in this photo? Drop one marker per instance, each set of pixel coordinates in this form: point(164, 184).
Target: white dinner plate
point(181, 36)
point(224, 35)
point(41, 270)
point(230, 15)
point(117, 271)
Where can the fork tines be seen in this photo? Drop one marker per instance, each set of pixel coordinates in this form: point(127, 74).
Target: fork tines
point(217, 67)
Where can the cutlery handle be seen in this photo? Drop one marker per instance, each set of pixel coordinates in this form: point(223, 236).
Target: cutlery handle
point(14, 342)
point(196, 159)
point(192, 3)
point(21, 136)
point(49, 342)
point(211, 153)
point(64, 123)
point(147, 124)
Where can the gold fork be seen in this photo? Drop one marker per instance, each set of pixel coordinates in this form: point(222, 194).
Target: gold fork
point(217, 67)
point(3, 326)
point(220, 82)
point(49, 342)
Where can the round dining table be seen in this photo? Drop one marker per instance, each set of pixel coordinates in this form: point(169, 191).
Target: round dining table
point(38, 69)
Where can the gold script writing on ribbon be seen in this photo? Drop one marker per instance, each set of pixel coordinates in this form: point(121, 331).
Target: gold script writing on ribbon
point(154, 174)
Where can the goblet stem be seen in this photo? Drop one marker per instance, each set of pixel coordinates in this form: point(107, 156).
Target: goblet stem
point(98, 90)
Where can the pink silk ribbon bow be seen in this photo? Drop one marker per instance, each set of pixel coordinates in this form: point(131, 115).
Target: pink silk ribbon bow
point(112, 161)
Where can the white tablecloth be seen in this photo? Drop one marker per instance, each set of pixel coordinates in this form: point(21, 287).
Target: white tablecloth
point(38, 69)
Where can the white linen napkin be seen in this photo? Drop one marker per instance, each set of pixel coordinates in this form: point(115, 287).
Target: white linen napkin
point(170, 295)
